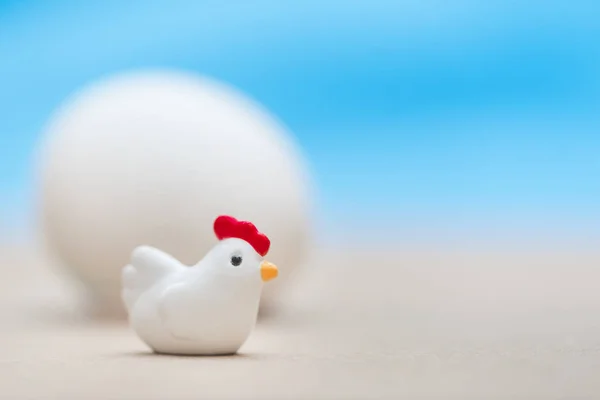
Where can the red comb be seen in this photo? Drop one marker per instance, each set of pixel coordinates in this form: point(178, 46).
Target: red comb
point(229, 227)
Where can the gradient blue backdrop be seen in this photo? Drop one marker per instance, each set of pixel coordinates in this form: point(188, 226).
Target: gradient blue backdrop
point(448, 114)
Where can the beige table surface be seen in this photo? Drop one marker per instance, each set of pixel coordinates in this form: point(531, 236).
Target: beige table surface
point(356, 325)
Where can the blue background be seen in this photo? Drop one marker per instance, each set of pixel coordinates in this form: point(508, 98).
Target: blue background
point(449, 115)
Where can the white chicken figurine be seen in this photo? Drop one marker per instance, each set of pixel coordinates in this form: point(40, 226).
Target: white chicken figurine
point(206, 309)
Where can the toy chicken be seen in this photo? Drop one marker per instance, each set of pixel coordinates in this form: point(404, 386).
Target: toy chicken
point(206, 309)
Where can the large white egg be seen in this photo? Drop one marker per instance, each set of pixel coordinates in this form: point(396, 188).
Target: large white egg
point(152, 158)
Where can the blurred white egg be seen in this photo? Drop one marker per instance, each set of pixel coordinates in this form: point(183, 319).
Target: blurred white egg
point(152, 158)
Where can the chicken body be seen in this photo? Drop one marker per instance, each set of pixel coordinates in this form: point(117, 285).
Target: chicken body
point(206, 309)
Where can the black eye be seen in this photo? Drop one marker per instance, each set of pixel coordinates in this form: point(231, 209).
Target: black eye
point(236, 261)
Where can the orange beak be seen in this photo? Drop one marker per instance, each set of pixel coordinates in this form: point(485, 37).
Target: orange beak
point(268, 271)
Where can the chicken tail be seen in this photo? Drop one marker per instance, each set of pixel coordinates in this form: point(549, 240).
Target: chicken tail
point(147, 267)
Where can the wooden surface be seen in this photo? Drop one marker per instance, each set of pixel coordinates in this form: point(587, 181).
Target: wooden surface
point(355, 325)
